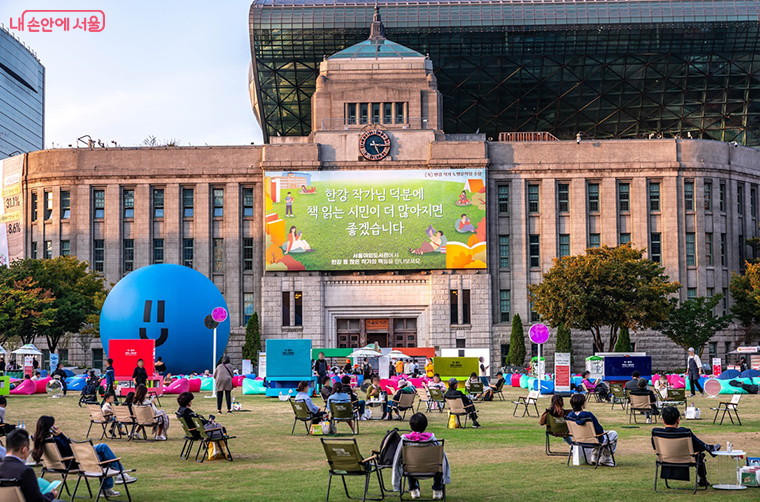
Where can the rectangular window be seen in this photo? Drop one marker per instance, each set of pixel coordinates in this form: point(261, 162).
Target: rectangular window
point(532, 198)
point(128, 198)
point(534, 251)
point(34, 250)
point(375, 113)
point(33, 203)
point(654, 196)
point(503, 199)
point(158, 250)
point(625, 238)
point(691, 293)
point(247, 307)
point(691, 253)
point(708, 196)
point(97, 358)
point(594, 240)
point(505, 305)
point(298, 297)
point(48, 250)
point(247, 253)
point(187, 202)
point(48, 202)
point(740, 198)
point(563, 197)
point(461, 343)
point(534, 317)
point(564, 245)
point(753, 202)
point(624, 197)
point(99, 204)
point(454, 306)
point(128, 254)
point(158, 202)
point(363, 113)
point(503, 251)
point(248, 202)
point(98, 255)
point(351, 113)
point(727, 346)
point(709, 249)
point(712, 349)
point(741, 251)
point(725, 301)
point(218, 196)
point(387, 113)
point(722, 197)
point(63, 356)
point(593, 198)
point(218, 255)
point(688, 195)
point(710, 292)
point(188, 252)
point(286, 308)
point(65, 204)
point(65, 248)
point(655, 247)
point(466, 306)
point(723, 260)
point(399, 113)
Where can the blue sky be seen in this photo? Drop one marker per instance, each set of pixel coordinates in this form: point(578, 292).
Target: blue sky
point(171, 69)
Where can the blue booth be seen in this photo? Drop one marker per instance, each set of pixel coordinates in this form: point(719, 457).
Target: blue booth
point(620, 368)
point(288, 362)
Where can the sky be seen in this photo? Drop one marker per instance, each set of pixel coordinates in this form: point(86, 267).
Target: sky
point(170, 69)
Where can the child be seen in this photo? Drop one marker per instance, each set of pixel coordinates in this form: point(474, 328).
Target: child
point(418, 423)
point(6, 428)
point(107, 408)
point(580, 416)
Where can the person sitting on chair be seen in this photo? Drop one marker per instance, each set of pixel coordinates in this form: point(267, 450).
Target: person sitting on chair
point(304, 396)
point(326, 390)
point(671, 417)
point(4, 428)
point(642, 390)
point(453, 393)
point(392, 405)
point(374, 390)
point(14, 467)
point(557, 410)
point(597, 387)
point(340, 395)
point(580, 416)
point(418, 423)
point(633, 383)
point(185, 401)
point(661, 387)
point(487, 390)
point(359, 404)
point(437, 383)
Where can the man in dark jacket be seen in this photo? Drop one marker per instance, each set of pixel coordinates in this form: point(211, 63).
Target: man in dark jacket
point(14, 467)
point(61, 374)
point(320, 366)
point(633, 383)
point(453, 393)
point(140, 375)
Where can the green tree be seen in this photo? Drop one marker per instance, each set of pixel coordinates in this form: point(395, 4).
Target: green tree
point(564, 341)
point(516, 356)
point(252, 345)
point(624, 341)
point(745, 290)
point(605, 289)
point(693, 323)
point(25, 310)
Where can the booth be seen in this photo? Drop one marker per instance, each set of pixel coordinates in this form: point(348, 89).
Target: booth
point(619, 368)
point(125, 354)
point(455, 367)
point(288, 363)
point(5, 385)
point(474, 353)
point(595, 366)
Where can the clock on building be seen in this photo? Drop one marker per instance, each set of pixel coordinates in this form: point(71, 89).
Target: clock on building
point(374, 145)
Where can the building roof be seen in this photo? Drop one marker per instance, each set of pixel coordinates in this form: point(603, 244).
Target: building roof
point(377, 46)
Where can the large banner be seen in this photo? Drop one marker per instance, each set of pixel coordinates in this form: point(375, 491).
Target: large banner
point(11, 210)
point(375, 220)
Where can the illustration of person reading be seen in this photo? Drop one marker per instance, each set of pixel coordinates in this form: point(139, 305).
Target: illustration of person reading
point(464, 225)
point(437, 240)
point(309, 190)
point(463, 200)
point(289, 205)
point(295, 244)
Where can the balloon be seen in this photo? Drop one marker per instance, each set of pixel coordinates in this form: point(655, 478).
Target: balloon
point(167, 303)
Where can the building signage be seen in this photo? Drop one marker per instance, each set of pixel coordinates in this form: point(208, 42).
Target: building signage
point(375, 219)
point(376, 324)
point(561, 372)
point(11, 210)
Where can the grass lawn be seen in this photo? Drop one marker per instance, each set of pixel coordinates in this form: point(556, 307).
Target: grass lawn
point(504, 460)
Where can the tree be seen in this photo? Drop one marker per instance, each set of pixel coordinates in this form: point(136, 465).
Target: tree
point(607, 288)
point(154, 141)
point(252, 345)
point(745, 290)
point(692, 323)
point(564, 342)
point(516, 356)
point(624, 341)
point(25, 310)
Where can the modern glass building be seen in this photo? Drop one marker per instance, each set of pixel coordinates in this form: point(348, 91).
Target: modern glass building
point(605, 68)
point(22, 97)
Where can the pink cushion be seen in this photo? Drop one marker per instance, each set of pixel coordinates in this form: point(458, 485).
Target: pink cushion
point(178, 386)
point(194, 384)
point(676, 382)
point(515, 380)
point(41, 384)
point(25, 388)
point(237, 381)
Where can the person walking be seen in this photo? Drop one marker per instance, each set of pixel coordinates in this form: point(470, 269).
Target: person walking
point(694, 370)
point(61, 374)
point(223, 381)
point(320, 366)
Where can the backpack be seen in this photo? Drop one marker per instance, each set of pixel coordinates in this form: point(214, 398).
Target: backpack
point(388, 447)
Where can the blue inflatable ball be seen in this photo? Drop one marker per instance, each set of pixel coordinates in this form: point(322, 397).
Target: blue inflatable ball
point(167, 303)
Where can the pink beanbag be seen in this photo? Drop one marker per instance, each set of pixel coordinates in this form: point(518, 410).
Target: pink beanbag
point(178, 386)
point(41, 384)
point(25, 388)
point(676, 382)
point(237, 381)
point(515, 380)
point(194, 384)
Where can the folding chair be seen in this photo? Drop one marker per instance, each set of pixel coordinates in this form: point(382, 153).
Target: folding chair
point(424, 398)
point(499, 390)
point(302, 413)
point(96, 417)
point(555, 427)
point(191, 436)
point(673, 397)
point(344, 412)
point(144, 417)
point(211, 436)
point(91, 467)
point(674, 449)
point(618, 396)
point(421, 461)
point(728, 407)
point(10, 491)
point(590, 393)
point(53, 463)
point(640, 404)
point(458, 409)
point(436, 396)
point(344, 459)
point(584, 436)
point(476, 389)
point(123, 417)
point(525, 402)
point(405, 403)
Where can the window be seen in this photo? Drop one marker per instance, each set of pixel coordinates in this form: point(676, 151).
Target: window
point(248, 202)
point(691, 293)
point(624, 197)
point(399, 113)
point(564, 245)
point(593, 198)
point(741, 251)
point(98, 255)
point(532, 198)
point(158, 202)
point(708, 196)
point(99, 204)
point(247, 253)
point(710, 292)
point(48, 202)
point(709, 249)
point(158, 250)
point(351, 113)
point(461, 343)
point(218, 202)
point(688, 195)
point(722, 196)
point(34, 250)
point(363, 112)
point(387, 113)
point(503, 199)
point(727, 346)
point(128, 197)
point(375, 113)
point(218, 255)
point(713, 349)
point(65, 204)
point(654, 196)
point(655, 247)
point(286, 308)
point(34, 206)
point(466, 306)
point(187, 202)
point(723, 261)
point(753, 202)
point(97, 358)
point(534, 317)
point(298, 297)
point(65, 248)
point(48, 250)
point(534, 251)
point(563, 197)
point(691, 253)
point(454, 306)
point(625, 238)
point(740, 198)
point(725, 301)
point(504, 251)
point(505, 305)
point(129, 255)
point(247, 307)
point(594, 240)
point(187, 252)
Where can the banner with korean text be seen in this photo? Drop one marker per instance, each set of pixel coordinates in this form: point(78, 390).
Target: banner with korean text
point(375, 220)
point(11, 210)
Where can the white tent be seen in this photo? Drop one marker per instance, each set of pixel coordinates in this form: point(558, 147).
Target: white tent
point(2, 350)
point(367, 351)
point(27, 350)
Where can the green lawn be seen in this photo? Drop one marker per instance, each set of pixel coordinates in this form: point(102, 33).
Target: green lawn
point(502, 461)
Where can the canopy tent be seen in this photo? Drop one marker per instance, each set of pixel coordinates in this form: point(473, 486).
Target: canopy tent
point(397, 354)
point(27, 350)
point(367, 351)
point(2, 350)
point(331, 353)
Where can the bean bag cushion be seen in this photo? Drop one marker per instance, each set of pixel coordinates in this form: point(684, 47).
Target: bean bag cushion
point(194, 384)
point(576, 380)
point(515, 380)
point(178, 386)
point(41, 383)
point(727, 388)
point(547, 386)
point(416, 382)
point(524, 381)
point(729, 375)
point(701, 382)
point(76, 383)
point(207, 384)
point(531, 383)
point(253, 387)
point(676, 382)
point(252, 376)
point(24, 388)
point(750, 374)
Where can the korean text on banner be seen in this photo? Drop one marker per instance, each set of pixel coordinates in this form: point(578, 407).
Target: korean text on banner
point(11, 210)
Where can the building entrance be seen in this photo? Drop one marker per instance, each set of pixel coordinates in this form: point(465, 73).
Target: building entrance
point(385, 331)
